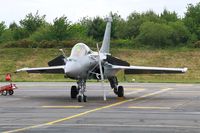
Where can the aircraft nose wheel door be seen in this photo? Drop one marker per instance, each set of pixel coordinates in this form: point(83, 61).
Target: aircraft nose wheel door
point(82, 87)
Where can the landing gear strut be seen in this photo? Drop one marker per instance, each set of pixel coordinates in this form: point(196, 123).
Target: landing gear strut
point(82, 88)
point(78, 92)
point(118, 90)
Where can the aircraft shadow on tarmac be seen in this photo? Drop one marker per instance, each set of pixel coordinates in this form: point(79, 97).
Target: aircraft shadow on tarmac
point(52, 99)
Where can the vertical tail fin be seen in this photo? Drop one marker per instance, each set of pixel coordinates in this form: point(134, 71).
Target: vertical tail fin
point(105, 48)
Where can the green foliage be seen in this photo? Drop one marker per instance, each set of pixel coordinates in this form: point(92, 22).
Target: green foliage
point(133, 25)
point(13, 26)
point(135, 20)
point(32, 22)
point(78, 31)
point(95, 28)
point(192, 19)
point(169, 16)
point(151, 16)
point(159, 35)
point(123, 43)
point(27, 43)
point(155, 35)
point(118, 29)
point(20, 33)
point(2, 27)
point(43, 33)
point(6, 36)
point(180, 34)
point(60, 29)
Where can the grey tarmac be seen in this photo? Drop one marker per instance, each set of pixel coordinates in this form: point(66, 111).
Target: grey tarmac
point(146, 108)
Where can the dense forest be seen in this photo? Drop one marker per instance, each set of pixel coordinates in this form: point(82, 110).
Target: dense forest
point(138, 30)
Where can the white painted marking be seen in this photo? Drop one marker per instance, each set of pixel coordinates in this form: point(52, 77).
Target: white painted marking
point(126, 125)
point(142, 107)
point(133, 92)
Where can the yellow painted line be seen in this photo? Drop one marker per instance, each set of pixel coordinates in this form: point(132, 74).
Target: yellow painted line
point(139, 107)
point(86, 112)
point(62, 106)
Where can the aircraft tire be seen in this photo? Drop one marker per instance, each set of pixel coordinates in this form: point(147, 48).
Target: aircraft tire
point(74, 92)
point(4, 93)
point(120, 91)
point(84, 98)
point(79, 98)
point(10, 92)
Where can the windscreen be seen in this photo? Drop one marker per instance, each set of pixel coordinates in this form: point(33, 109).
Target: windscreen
point(79, 50)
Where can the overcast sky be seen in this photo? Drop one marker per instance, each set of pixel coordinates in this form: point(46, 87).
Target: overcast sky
point(15, 10)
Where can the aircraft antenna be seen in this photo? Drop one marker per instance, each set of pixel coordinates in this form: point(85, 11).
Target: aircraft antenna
point(63, 53)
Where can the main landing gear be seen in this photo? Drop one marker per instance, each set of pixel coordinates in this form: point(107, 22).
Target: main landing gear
point(118, 90)
point(78, 92)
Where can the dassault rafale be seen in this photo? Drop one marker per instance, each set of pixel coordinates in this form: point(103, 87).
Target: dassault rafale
point(84, 64)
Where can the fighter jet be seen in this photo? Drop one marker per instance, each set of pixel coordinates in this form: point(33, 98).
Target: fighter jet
point(84, 64)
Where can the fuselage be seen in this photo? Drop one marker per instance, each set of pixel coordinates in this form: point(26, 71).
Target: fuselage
point(80, 62)
point(77, 68)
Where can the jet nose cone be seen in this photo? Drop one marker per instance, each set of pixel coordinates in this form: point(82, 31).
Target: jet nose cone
point(72, 69)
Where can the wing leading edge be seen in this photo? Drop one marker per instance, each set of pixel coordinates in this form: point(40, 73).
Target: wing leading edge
point(148, 70)
point(52, 69)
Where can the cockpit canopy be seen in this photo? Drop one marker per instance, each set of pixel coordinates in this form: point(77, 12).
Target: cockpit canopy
point(79, 50)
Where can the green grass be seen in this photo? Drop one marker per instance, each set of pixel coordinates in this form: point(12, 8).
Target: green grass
point(15, 58)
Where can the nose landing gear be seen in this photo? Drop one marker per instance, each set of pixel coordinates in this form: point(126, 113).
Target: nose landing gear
point(82, 98)
point(78, 92)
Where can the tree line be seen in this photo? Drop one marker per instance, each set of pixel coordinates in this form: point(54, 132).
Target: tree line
point(139, 30)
